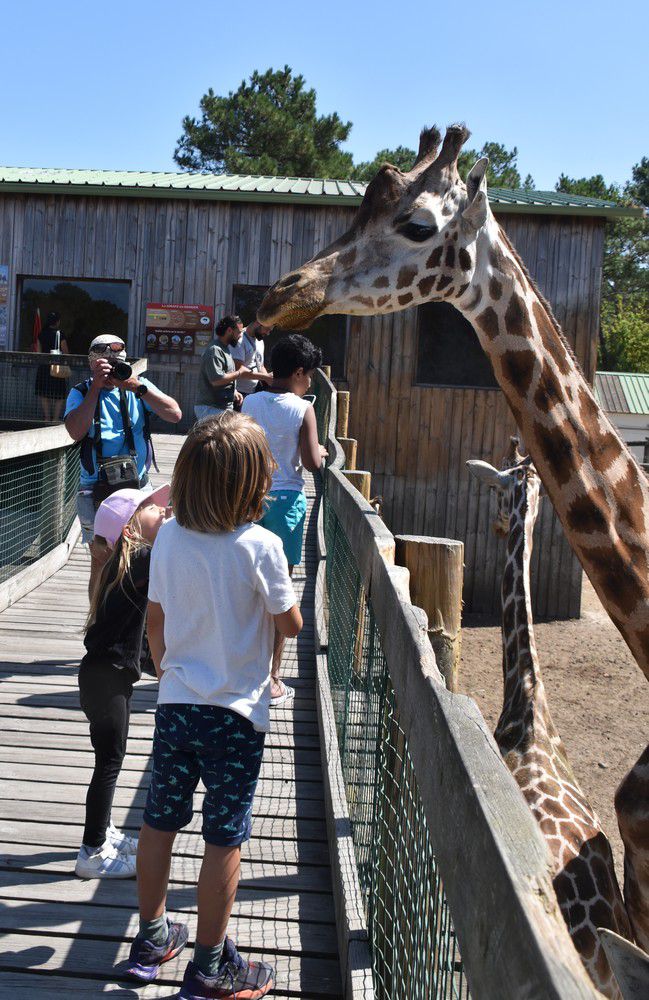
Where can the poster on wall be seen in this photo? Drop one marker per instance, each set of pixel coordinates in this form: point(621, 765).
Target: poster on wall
point(4, 294)
point(177, 329)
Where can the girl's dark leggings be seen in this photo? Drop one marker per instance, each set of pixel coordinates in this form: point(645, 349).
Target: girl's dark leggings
point(105, 694)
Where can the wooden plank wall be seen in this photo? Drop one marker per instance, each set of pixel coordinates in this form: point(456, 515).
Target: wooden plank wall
point(414, 439)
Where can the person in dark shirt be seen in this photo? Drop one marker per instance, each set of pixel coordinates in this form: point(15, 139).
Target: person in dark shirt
point(51, 391)
point(127, 522)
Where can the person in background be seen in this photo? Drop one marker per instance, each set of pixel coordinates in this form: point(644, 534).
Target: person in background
point(219, 585)
point(249, 353)
point(127, 522)
point(51, 391)
point(104, 400)
point(290, 426)
point(217, 378)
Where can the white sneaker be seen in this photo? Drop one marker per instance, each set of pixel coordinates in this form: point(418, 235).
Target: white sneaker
point(104, 862)
point(121, 841)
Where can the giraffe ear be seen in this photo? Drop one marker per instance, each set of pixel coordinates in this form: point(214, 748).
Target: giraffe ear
point(476, 187)
point(629, 963)
point(486, 474)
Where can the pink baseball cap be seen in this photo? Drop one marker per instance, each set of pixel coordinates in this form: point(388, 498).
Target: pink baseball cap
point(116, 511)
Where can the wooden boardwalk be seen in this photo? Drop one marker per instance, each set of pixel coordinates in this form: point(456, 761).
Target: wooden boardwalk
point(63, 937)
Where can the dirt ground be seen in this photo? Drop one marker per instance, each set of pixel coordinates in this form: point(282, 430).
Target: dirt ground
point(598, 696)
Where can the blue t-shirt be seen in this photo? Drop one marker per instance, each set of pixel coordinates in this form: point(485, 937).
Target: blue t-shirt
point(112, 431)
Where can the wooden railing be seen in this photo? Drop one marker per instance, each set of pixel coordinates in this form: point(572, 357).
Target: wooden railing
point(446, 851)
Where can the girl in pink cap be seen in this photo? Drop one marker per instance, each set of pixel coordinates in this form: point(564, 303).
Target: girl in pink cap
point(127, 522)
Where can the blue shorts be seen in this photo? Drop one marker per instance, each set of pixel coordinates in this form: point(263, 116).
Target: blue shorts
point(285, 515)
point(214, 744)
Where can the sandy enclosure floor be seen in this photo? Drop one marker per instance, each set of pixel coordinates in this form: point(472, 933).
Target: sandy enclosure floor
point(598, 696)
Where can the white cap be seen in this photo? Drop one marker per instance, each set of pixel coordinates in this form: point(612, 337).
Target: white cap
point(104, 339)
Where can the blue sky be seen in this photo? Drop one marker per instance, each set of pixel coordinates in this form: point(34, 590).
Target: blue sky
point(106, 85)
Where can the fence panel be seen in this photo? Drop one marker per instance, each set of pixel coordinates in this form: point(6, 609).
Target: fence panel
point(37, 505)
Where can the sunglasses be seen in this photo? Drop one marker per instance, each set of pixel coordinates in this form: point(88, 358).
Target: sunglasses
point(114, 348)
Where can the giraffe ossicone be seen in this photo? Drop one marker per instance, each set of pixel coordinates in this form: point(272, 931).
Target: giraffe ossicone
point(426, 236)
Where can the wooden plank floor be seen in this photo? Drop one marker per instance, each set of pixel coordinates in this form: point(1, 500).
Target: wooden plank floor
point(64, 937)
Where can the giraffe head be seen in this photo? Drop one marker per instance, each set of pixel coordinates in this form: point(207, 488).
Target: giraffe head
point(413, 240)
point(517, 487)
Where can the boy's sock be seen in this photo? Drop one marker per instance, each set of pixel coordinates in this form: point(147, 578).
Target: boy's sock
point(156, 931)
point(208, 957)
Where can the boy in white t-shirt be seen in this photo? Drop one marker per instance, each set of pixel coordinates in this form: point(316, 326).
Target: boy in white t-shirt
point(290, 426)
point(218, 587)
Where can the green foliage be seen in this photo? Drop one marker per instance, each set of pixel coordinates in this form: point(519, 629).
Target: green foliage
point(624, 322)
point(268, 126)
point(624, 344)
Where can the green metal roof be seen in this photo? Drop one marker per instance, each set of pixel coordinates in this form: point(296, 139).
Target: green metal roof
point(622, 392)
point(283, 190)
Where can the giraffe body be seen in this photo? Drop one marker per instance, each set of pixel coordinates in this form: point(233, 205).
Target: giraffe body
point(426, 236)
point(584, 875)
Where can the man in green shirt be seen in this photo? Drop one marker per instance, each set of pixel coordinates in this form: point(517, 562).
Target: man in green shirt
point(217, 378)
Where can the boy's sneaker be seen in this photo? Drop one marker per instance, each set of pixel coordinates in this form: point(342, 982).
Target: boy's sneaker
point(236, 979)
point(104, 862)
point(146, 958)
point(121, 841)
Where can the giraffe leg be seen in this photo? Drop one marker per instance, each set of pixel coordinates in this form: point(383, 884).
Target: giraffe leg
point(632, 807)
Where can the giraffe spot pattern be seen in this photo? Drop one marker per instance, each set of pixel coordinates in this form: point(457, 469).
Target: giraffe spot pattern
point(517, 320)
point(347, 259)
point(548, 391)
point(551, 340)
point(464, 258)
point(403, 300)
point(406, 277)
point(427, 284)
point(518, 369)
point(382, 299)
point(495, 288)
point(589, 513)
point(449, 260)
point(381, 282)
point(435, 258)
point(488, 322)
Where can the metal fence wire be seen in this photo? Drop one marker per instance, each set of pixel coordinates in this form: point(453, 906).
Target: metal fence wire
point(29, 395)
point(414, 949)
point(37, 505)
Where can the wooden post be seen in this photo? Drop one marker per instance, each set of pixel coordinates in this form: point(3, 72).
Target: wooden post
point(327, 370)
point(349, 446)
point(361, 480)
point(436, 571)
point(342, 400)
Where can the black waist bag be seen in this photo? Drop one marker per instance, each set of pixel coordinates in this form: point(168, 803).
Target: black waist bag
point(116, 473)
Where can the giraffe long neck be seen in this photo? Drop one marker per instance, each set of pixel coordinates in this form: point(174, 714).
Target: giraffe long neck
point(525, 718)
point(599, 492)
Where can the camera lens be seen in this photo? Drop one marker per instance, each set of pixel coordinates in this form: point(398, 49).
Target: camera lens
point(121, 370)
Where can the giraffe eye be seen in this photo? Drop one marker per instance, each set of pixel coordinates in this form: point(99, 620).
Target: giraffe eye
point(416, 232)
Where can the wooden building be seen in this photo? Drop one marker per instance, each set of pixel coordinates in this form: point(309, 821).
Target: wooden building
point(99, 245)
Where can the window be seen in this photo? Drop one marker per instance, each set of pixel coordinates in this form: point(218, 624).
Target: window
point(86, 307)
point(448, 350)
point(329, 333)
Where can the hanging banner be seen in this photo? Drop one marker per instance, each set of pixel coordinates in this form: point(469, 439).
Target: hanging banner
point(4, 294)
point(177, 329)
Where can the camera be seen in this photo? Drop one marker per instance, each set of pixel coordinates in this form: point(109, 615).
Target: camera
point(121, 369)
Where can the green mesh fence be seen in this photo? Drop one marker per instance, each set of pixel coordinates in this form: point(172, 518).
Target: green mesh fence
point(29, 395)
point(413, 945)
point(37, 505)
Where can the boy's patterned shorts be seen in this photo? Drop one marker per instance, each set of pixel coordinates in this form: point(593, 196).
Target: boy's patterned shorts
point(214, 744)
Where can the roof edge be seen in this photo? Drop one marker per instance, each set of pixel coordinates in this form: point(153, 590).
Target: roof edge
point(287, 198)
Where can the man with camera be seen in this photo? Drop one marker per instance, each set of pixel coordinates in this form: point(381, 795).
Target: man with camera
point(109, 414)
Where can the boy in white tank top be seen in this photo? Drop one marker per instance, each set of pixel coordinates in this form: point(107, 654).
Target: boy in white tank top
point(290, 426)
